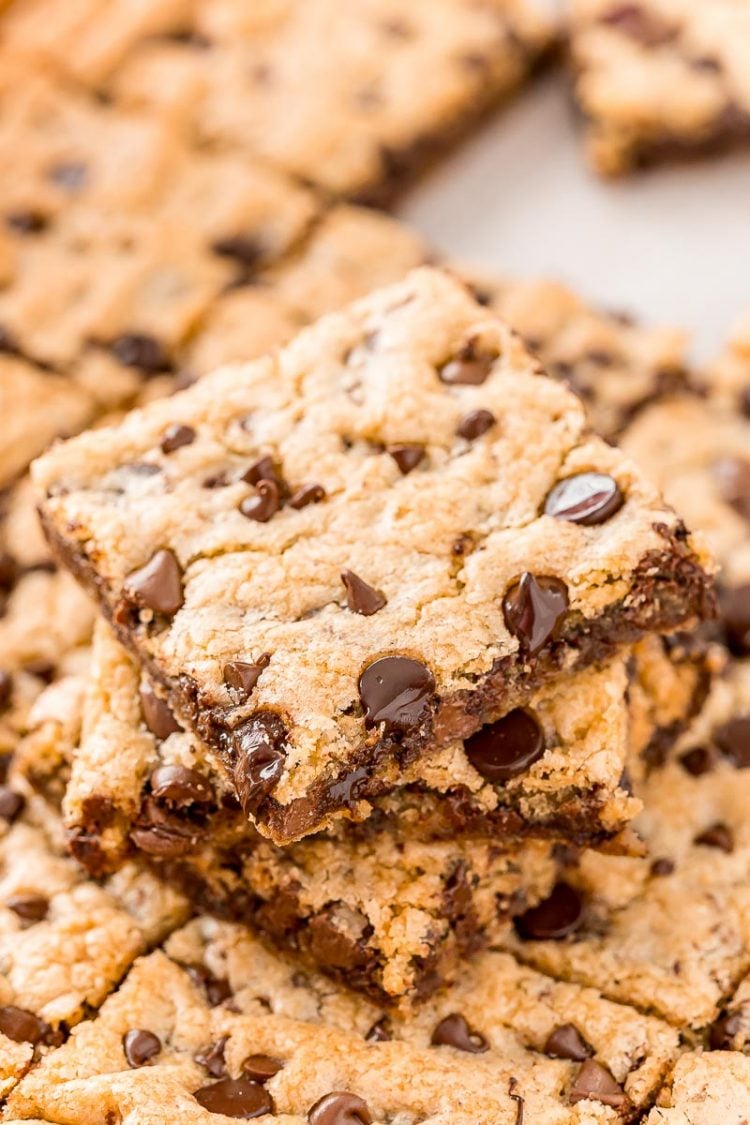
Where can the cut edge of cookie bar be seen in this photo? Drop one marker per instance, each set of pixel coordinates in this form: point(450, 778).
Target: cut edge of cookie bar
point(640, 571)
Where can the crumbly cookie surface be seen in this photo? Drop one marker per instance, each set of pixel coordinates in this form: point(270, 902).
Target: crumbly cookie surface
point(704, 1089)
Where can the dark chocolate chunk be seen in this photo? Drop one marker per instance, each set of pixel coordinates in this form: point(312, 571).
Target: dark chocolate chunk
point(176, 436)
point(156, 713)
point(662, 867)
point(32, 908)
point(638, 23)
point(212, 1058)
point(331, 946)
point(717, 836)
point(507, 748)
point(407, 457)
point(22, 1026)
point(340, 1108)
point(11, 803)
point(533, 609)
point(559, 915)
point(454, 1031)
point(380, 1032)
point(68, 174)
point(261, 1068)
point(27, 222)
point(595, 1081)
point(6, 689)
point(307, 494)
point(242, 248)
point(733, 739)
point(697, 761)
point(470, 367)
point(733, 480)
point(136, 349)
point(734, 606)
point(140, 1046)
point(264, 504)
point(259, 758)
point(179, 785)
point(397, 691)
point(586, 498)
point(242, 676)
point(475, 423)
point(235, 1097)
point(566, 1042)
point(157, 585)
point(360, 596)
point(722, 1032)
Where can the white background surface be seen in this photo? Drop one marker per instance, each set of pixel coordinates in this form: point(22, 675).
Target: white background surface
point(671, 245)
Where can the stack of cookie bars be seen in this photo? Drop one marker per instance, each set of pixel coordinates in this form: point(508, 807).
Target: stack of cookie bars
point(384, 771)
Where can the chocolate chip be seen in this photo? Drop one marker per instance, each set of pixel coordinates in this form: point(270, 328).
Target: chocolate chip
point(717, 836)
point(176, 436)
point(265, 504)
point(217, 989)
point(566, 1042)
point(241, 248)
point(454, 1031)
point(27, 222)
point(397, 691)
point(733, 739)
point(140, 1046)
point(6, 689)
point(360, 596)
point(507, 748)
point(21, 1025)
point(723, 1031)
point(157, 585)
point(262, 469)
point(586, 498)
point(212, 1058)
point(261, 1068)
point(595, 1081)
point(734, 605)
point(235, 1097)
point(533, 609)
point(259, 758)
point(470, 367)
point(475, 423)
point(179, 785)
point(32, 908)
point(307, 494)
point(407, 457)
point(559, 915)
point(340, 1108)
point(136, 349)
point(638, 23)
point(732, 476)
point(69, 174)
point(697, 761)
point(241, 676)
point(380, 1032)
point(156, 713)
point(11, 804)
point(163, 840)
point(662, 867)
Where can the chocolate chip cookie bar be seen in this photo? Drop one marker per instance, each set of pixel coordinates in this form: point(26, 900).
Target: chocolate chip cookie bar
point(660, 79)
point(727, 379)
point(706, 1088)
point(216, 1025)
point(311, 527)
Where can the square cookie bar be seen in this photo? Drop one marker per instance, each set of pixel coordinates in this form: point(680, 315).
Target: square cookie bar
point(215, 1024)
point(660, 79)
point(289, 546)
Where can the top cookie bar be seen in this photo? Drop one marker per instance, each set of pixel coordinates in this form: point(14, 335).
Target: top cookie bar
point(365, 545)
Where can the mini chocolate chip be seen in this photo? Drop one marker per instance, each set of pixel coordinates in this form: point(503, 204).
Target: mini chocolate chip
point(733, 480)
point(407, 457)
point(157, 585)
point(176, 436)
point(21, 1025)
point(595, 1081)
point(662, 867)
point(734, 605)
point(586, 498)
point(6, 689)
point(179, 785)
point(380, 1032)
point(454, 1031)
point(470, 367)
point(507, 748)
point(27, 222)
point(217, 989)
point(533, 609)
point(68, 174)
point(733, 739)
point(360, 596)
point(212, 1058)
point(559, 915)
point(136, 349)
point(697, 761)
point(397, 691)
point(241, 248)
point(340, 1108)
point(566, 1042)
point(242, 676)
point(307, 494)
point(32, 908)
point(156, 713)
point(259, 758)
point(11, 803)
point(635, 21)
point(140, 1046)
point(722, 1032)
point(475, 423)
point(261, 1068)
point(717, 836)
point(235, 1097)
point(265, 504)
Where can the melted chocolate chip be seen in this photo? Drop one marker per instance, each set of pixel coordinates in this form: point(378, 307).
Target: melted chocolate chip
point(212, 1058)
point(397, 691)
point(156, 713)
point(242, 676)
point(240, 248)
point(340, 1108)
point(307, 494)
point(32, 908)
point(507, 748)
point(586, 498)
point(262, 469)
point(140, 1046)
point(261, 1068)
point(407, 457)
point(454, 1031)
point(27, 222)
point(11, 803)
point(595, 1081)
point(732, 476)
point(22, 1026)
point(380, 1032)
point(6, 689)
point(157, 585)
point(360, 596)
point(559, 915)
point(176, 436)
point(566, 1042)
point(697, 761)
point(179, 785)
point(259, 758)
point(217, 989)
point(734, 605)
point(638, 23)
point(475, 423)
point(136, 349)
point(722, 1033)
point(235, 1097)
point(470, 367)
point(264, 504)
point(662, 867)
point(533, 609)
point(717, 836)
point(733, 739)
